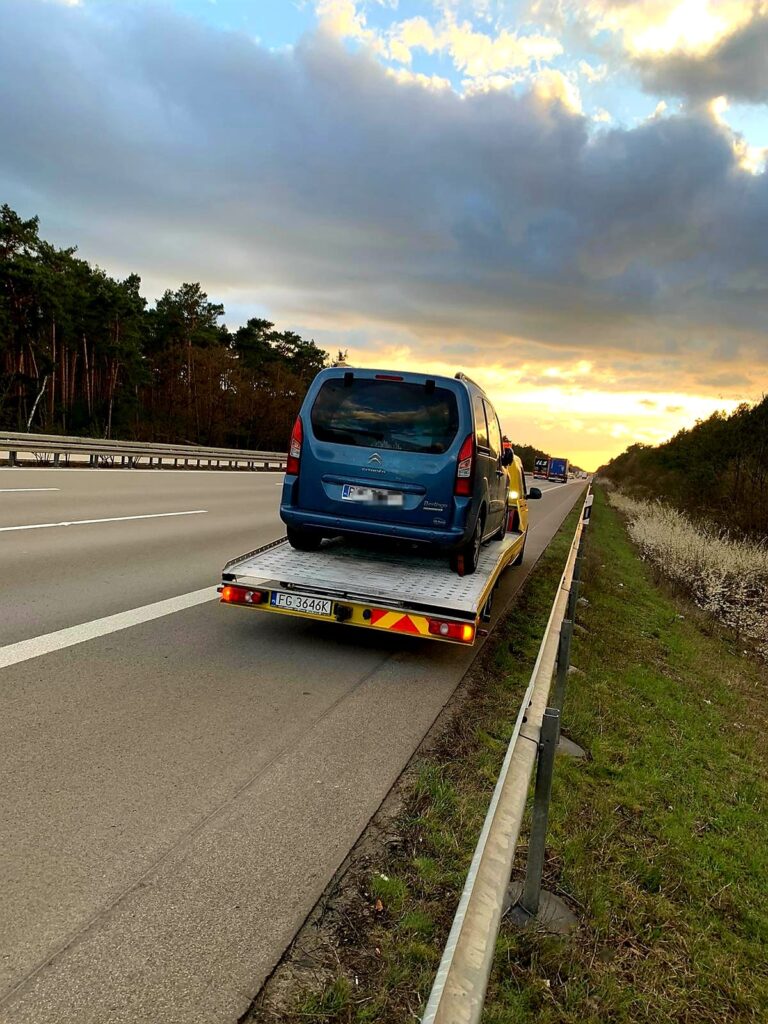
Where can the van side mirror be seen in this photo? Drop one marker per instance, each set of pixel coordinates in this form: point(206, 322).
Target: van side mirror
point(508, 457)
point(534, 492)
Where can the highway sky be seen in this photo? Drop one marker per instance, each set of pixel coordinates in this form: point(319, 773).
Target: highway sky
point(568, 201)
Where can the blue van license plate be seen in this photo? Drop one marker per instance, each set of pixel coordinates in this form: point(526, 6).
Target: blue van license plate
point(371, 495)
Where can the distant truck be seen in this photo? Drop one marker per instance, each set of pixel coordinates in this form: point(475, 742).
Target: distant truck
point(558, 470)
point(540, 469)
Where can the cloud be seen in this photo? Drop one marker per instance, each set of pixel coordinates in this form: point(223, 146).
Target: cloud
point(551, 84)
point(695, 49)
point(484, 59)
point(591, 73)
point(736, 67)
point(313, 183)
point(658, 27)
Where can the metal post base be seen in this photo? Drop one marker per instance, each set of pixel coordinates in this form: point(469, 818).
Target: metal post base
point(554, 915)
point(569, 748)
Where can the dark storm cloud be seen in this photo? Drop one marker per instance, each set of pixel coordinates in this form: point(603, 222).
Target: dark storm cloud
point(737, 67)
point(311, 181)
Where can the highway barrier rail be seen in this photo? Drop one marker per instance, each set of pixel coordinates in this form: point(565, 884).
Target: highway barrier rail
point(458, 992)
point(18, 449)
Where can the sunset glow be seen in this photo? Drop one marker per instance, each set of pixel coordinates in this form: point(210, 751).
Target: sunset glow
point(566, 201)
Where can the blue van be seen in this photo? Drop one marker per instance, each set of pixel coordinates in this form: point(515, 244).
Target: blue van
point(404, 455)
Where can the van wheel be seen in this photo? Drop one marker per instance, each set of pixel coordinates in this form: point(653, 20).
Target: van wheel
point(303, 540)
point(464, 561)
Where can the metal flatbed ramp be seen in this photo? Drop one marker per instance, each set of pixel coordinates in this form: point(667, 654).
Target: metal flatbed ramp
point(391, 578)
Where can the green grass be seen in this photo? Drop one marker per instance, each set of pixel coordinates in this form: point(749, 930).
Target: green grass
point(659, 840)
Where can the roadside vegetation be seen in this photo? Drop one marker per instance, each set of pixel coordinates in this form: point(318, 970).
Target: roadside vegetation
point(715, 472)
point(725, 577)
point(658, 840)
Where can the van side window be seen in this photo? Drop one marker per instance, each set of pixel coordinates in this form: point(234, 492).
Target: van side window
point(481, 427)
point(494, 433)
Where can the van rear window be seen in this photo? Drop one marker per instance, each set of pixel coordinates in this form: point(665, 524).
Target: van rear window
point(385, 414)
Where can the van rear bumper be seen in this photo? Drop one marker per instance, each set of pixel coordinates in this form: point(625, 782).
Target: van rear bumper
point(451, 537)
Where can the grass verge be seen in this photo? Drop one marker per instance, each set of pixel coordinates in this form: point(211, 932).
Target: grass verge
point(658, 840)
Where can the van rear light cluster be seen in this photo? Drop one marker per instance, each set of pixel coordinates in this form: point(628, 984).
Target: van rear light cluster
point(231, 594)
point(465, 467)
point(294, 448)
point(461, 631)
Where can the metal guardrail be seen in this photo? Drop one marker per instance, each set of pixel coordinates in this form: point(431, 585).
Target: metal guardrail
point(458, 992)
point(53, 448)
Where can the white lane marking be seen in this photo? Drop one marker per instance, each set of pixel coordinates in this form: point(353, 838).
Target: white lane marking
point(113, 519)
point(47, 643)
point(16, 490)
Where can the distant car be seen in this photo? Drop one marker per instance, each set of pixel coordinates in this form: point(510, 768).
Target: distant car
point(411, 456)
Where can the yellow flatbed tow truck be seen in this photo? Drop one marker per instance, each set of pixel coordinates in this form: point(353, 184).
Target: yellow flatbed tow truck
point(375, 588)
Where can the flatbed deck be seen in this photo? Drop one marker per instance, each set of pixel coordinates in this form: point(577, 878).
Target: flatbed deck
point(370, 587)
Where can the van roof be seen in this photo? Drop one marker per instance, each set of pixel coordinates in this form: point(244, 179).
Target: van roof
point(408, 376)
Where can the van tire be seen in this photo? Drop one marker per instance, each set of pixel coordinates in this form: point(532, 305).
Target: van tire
point(464, 561)
point(303, 540)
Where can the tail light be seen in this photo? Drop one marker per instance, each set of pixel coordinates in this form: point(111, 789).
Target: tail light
point(231, 594)
point(294, 448)
point(465, 467)
point(461, 631)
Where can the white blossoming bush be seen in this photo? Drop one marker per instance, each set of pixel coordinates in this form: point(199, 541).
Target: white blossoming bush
point(725, 577)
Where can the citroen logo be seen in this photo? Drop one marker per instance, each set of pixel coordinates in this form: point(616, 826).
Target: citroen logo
point(375, 459)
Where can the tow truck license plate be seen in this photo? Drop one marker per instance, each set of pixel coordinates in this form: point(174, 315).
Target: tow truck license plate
point(371, 495)
point(300, 603)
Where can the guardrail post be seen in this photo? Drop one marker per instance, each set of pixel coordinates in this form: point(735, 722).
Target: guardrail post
point(12, 458)
point(577, 564)
point(534, 868)
point(573, 597)
point(563, 661)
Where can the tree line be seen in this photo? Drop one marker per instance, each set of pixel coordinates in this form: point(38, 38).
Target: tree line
point(83, 353)
point(716, 470)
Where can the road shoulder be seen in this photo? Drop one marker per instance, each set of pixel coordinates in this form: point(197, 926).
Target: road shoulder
point(658, 839)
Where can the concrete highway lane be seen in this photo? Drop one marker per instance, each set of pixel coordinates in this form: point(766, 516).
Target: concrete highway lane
point(178, 792)
point(63, 575)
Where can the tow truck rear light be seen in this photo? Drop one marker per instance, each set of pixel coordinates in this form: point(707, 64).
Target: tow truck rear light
point(231, 594)
point(461, 631)
point(465, 466)
point(294, 448)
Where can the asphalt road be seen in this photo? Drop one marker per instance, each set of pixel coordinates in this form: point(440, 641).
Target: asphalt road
point(179, 788)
